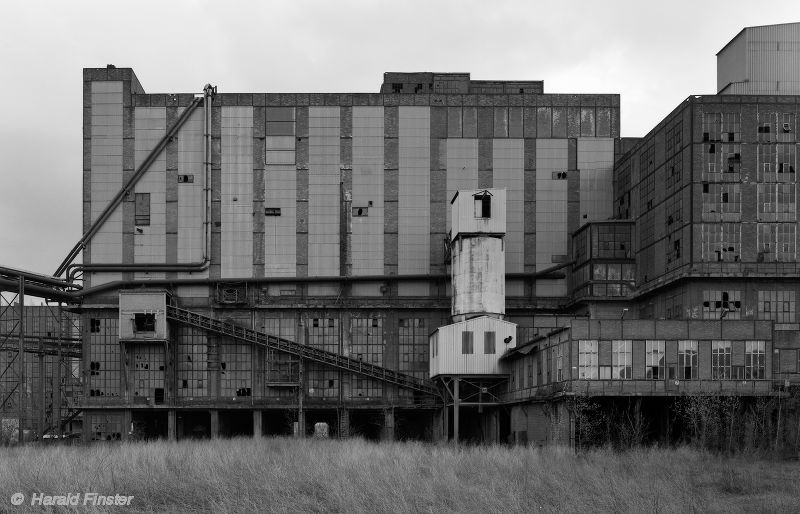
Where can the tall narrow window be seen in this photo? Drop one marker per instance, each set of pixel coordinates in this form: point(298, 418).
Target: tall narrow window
point(754, 360)
point(621, 359)
point(483, 205)
point(142, 209)
point(654, 353)
point(587, 359)
point(466, 342)
point(721, 360)
point(687, 360)
point(488, 343)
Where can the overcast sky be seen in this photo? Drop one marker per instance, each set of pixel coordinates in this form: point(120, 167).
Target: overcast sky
point(653, 55)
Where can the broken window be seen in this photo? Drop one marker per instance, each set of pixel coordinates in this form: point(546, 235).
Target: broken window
point(654, 356)
point(360, 211)
point(621, 359)
point(144, 322)
point(720, 360)
point(687, 360)
point(587, 359)
point(94, 325)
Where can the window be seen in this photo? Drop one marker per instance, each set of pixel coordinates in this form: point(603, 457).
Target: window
point(142, 209)
point(754, 360)
point(559, 362)
point(778, 306)
point(272, 211)
point(466, 342)
point(720, 360)
point(488, 343)
point(185, 179)
point(654, 360)
point(483, 205)
point(687, 360)
point(144, 322)
point(360, 211)
point(94, 325)
point(621, 359)
point(587, 359)
point(722, 304)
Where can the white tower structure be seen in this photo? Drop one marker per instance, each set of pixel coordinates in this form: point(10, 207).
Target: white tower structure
point(478, 336)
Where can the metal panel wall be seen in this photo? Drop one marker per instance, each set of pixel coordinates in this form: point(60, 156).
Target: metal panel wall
point(462, 169)
point(150, 241)
point(773, 59)
point(106, 163)
point(190, 194)
point(507, 162)
point(280, 182)
point(367, 231)
point(324, 201)
point(451, 361)
point(596, 165)
point(551, 211)
point(414, 197)
point(237, 192)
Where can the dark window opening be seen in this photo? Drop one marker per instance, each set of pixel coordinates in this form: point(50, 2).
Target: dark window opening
point(94, 325)
point(185, 179)
point(397, 87)
point(486, 206)
point(272, 211)
point(144, 322)
point(360, 211)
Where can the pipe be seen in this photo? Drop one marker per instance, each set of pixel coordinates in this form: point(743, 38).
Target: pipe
point(35, 277)
point(108, 268)
point(127, 188)
point(208, 93)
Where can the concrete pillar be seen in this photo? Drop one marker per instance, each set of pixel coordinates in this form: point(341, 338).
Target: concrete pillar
point(214, 423)
point(344, 423)
point(172, 432)
point(257, 421)
point(127, 418)
point(387, 434)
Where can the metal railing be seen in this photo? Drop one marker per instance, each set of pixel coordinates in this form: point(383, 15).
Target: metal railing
point(306, 352)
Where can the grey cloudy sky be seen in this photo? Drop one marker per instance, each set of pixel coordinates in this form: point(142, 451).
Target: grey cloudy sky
point(653, 54)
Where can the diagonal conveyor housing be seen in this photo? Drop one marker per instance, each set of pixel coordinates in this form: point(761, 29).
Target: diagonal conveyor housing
point(307, 352)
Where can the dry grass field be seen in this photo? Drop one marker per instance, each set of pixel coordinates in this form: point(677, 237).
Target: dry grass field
point(285, 475)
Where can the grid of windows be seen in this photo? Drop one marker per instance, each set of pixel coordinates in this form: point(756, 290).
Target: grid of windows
point(778, 306)
point(777, 202)
point(654, 360)
point(721, 242)
point(687, 360)
point(323, 333)
point(367, 345)
point(587, 359)
point(192, 363)
point(235, 369)
point(559, 349)
point(277, 367)
point(721, 202)
point(754, 360)
point(720, 360)
point(712, 126)
point(621, 359)
point(147, 372)
point(413, 340)
point(777, 242)
point(104, 358)
point(672, 137)
point(104, 427)
point(722, 304)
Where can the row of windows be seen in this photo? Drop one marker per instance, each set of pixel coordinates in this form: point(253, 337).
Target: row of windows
point(687, 361)
point(468, 344)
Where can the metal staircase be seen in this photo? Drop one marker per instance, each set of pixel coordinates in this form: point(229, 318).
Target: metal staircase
point(306, 352)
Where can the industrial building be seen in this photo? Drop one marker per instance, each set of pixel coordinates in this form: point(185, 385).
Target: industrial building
point(446, 259)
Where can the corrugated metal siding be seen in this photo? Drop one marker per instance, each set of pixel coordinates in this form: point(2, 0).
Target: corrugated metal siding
point(451, 361)
point(106, 178)
point(732, 62)
point(190, 195)
point(413, 253)
point(280, 191)
point(237, 192)
point(367, 234)
point(462, 169)
point(324, 201)
point(149, 245)
point(462, 212)
point(773, 66)
point(596, 165)
point(551, 211)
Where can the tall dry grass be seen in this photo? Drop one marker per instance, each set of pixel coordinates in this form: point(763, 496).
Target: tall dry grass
point(285, 475)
